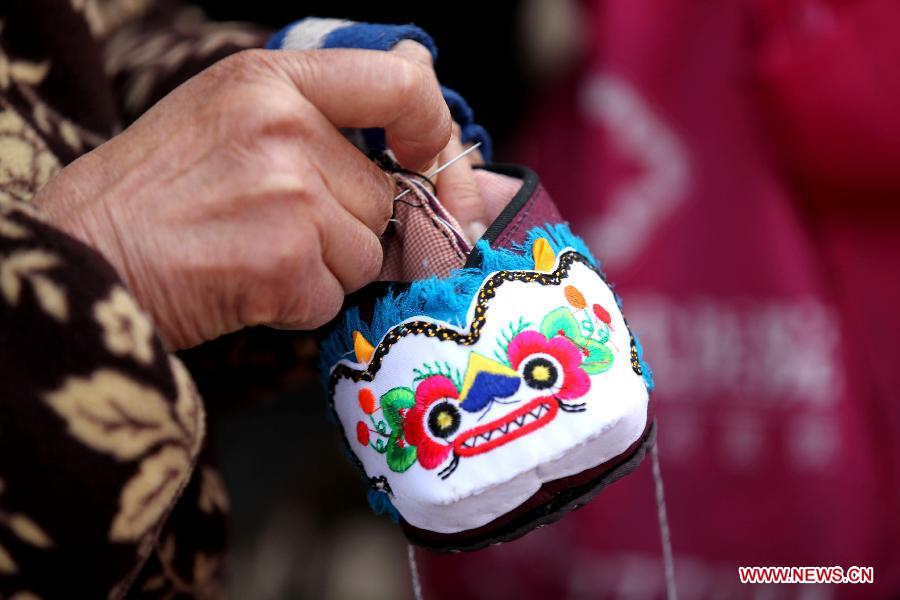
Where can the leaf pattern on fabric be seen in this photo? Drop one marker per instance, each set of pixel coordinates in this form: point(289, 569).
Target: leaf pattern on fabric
point(99, 387)
point(169, 581)
point(188, 406)
point(112, 413)
point(150, 493)
point(24, 528)
point(213, 495)
point(26, 266)
point(10, 229)
point(127, 331)
point(28, 531)
point(7, 565)
point(20, 71)
point(26, 164)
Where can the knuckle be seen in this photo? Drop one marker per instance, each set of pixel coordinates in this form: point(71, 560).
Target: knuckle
point(240, 108)
point(420, 52)
point(408, 78)
point(281, 261)
point(384, 211)
point(277, 160)
point(370, 260)
point(240, 61)
point(319, 301)
point(286, 119)
point(278, 272)
point(262, 305)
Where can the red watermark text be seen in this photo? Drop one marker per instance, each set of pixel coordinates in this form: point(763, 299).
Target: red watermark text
point(806, 574)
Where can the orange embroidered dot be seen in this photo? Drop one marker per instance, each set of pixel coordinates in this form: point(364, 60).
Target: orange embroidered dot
point(574, 297)
point(367, 401)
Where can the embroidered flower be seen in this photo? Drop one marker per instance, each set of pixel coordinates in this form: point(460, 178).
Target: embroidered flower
point(362, 433)
point(551, 365)
point(367, 401)
point(602, 314)
point(126, 330)
point(434, 418)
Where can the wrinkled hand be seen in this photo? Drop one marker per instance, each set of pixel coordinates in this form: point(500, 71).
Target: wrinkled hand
point(235, 201)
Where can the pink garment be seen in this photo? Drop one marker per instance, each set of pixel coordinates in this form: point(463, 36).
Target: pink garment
point(736, 166)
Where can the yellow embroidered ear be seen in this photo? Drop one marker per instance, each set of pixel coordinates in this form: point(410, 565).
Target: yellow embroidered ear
point(544, 256)
point(362, 348)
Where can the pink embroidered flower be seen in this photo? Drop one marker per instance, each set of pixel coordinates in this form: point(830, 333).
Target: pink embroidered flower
point(549, 365)
point(433, 419)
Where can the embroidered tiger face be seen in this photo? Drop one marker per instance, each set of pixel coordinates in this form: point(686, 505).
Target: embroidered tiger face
point(495, 402)
point(545, 364)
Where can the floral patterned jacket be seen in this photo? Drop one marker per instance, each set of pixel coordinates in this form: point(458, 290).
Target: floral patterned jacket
point(104, 491)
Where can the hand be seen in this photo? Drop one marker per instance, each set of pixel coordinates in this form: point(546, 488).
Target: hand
point(235, 201)
point(457, 187)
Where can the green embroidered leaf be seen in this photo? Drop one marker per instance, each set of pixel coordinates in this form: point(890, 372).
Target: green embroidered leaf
point(399, 459)
point(602, 333)
point(510, 331)
point(599, 358)
point(438, 368)
point(393, 401)
point(558, 320)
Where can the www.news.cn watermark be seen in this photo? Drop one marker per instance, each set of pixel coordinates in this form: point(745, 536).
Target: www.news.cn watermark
point(806, 574)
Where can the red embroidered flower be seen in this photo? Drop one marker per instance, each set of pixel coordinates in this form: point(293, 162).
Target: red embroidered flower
point(549, 365)
point(433, 419)
point(362, 433)
point(602, 314)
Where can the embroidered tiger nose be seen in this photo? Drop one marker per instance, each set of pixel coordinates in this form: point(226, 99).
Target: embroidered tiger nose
point(486, 380)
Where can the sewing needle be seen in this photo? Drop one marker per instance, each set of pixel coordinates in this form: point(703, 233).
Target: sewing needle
point(465, 153)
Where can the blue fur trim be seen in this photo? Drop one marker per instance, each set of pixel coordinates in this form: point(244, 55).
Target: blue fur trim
point(645, 368)
point(473, 132)
point(381, 504)
point(443, 299)
point(459, 108)
point(277, 40)
point(373, 36)
point(367, 36)
point(470, 131)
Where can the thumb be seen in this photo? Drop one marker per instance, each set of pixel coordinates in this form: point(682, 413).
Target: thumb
point(365, 88)
point(458, 191)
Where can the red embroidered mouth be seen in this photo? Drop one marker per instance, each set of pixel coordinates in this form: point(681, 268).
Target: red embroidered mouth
point(521, 421)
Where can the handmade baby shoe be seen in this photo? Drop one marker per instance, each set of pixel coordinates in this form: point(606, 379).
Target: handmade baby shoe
point(483, 390)
point(487, 390)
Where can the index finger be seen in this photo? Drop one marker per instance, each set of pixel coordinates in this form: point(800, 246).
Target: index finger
point(365, 88)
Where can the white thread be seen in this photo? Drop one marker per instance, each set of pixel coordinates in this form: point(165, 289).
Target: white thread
point(465, 152)
point(663, 520)
point(414, 572)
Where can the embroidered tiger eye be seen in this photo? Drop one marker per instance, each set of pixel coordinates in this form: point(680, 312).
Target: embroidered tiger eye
point(444, 420)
